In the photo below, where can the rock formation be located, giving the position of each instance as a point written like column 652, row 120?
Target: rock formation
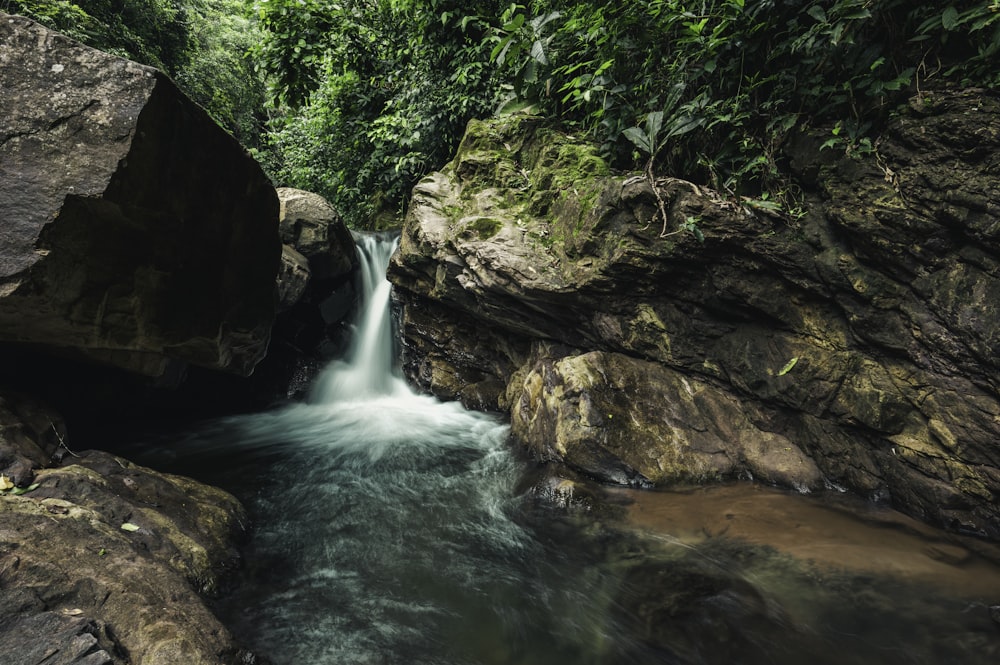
column 102, row 561
column 320, row 244
column 135, row 230
column 310, row 225
column 849, row 349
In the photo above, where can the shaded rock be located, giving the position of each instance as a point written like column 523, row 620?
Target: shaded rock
column 313, row 227
column 136, row 231
column 57, row 639
column 859, row 336
column 101, row 593
column 293, row 278
column 444, row 352
column 30, row 437
column 324, row 247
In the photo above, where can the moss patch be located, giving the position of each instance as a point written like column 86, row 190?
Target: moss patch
column 484, row 228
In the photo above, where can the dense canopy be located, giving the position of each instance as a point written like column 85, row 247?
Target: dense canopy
column 357, row 99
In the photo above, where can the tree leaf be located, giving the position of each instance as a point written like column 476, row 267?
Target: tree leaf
column 538, row 53
column 639, row 138
column 654, row 122
column 515, row 24
column 950, row 18
column 817, row 13
column 516, row 105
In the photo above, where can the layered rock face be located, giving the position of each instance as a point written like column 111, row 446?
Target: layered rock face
column 134, row 230
column 851, row 348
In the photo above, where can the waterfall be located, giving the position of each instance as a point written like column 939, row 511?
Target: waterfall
column 367, row 369
column 384, row 529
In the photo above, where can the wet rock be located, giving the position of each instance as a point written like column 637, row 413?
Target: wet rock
column 995, row 614
column 855, row 341
column 137, row 231
column 105, row 560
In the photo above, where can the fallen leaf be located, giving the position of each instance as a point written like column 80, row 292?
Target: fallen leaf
column 5, row 483
column 128, row 526
column 17, row 491
column 788, row 366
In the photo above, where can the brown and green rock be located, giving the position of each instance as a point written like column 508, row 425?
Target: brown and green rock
column 109, row 562
column 103, row 561
column 851, row 348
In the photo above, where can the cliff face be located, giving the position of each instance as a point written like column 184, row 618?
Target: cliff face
column 852, row 348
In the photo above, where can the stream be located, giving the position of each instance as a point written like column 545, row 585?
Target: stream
column 392, row 528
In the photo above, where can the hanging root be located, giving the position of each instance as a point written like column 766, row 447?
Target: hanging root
column 62, row 442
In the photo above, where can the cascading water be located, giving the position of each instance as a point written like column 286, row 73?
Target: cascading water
column 389, row 529
column 367, row 368
column 383, row 529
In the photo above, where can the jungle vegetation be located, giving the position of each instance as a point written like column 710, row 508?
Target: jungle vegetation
column 357, row 99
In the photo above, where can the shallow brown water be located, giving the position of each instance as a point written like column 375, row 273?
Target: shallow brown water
column 830, row 531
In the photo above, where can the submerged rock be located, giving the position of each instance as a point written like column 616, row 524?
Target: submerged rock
column 136, row 231
column 850, row 348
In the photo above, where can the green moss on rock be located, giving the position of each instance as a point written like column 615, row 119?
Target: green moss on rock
column 484, row 228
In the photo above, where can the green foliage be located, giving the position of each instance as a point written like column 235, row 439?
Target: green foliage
column 366, row 96
column 724, row 82
column 154, row 32
column 370, row 96
column 219, row 73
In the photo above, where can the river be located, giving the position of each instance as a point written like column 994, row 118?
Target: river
column 392, row 528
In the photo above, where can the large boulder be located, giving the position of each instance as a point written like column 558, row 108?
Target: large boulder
column 852, row 348
column 103, row 561
column 312, row 226
column 605, row 414
column 135, row 230
column 319, row 245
